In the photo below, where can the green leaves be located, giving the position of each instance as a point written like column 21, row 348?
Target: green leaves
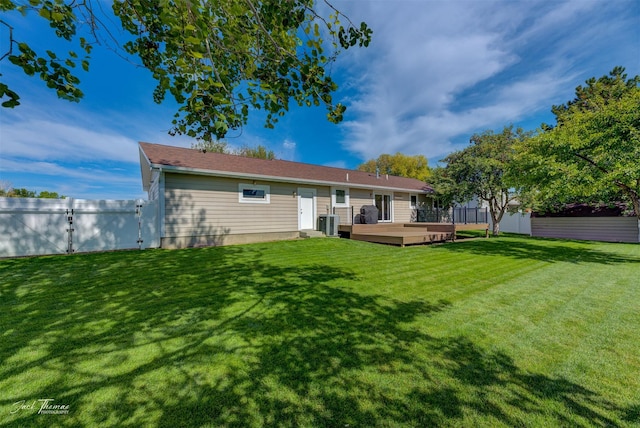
column 219, row 60
column 352, row 36
column 592, row 153
column 486, row 169
column 399, row 164
column 11, row 95
column 53, row 69
column 233, row 57
column 219, row 146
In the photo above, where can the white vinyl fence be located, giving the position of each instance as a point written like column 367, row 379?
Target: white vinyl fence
column 516, row 223
column 30, row 226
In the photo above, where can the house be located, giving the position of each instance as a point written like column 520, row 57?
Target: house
column 219, row 199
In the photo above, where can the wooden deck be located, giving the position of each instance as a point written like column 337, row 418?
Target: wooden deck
column 407, row 233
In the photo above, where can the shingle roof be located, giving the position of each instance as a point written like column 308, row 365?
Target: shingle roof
column 195, row 161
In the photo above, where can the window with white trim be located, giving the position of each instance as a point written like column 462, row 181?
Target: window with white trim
column 340, row 197
column 254, row 193
column 414, row 202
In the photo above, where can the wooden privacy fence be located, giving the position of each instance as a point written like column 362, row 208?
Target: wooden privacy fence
column 30, row 226
column 609, row 229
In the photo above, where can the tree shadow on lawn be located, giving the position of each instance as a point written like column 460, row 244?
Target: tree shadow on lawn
column 547, row 250
column 632, row 414
column 221, row 337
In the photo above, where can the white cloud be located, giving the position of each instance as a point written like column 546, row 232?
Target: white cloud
column 82, row 180
column 436, row 72
column 59, row 146
column 50, row 129
column 287, row 150
column 74, row 172
column 431, row 133
column 46, row 139
column 57, row 130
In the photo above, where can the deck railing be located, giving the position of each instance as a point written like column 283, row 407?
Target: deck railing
column 431, row 215
column 346, row 214
column 452, row 215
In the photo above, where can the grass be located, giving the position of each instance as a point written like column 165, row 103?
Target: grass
column 510, row 331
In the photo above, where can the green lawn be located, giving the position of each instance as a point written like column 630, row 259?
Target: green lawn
column 325, row 332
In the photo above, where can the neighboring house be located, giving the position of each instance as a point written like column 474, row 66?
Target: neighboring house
column 217, row 199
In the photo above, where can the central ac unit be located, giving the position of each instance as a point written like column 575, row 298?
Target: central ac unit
column 328, row 224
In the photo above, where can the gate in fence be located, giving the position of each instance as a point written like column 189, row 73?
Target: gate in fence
column 30, row 226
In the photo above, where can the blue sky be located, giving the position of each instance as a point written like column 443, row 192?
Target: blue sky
column 435, row 73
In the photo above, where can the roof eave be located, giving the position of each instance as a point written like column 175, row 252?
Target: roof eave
column 228, row 174
column 145, row 169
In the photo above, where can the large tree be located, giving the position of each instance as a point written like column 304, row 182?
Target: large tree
column 485, row 169
column 259, row 151
column 8, row 191
column 399, row 164
column 592, row 154
column 219, row 59
column 217, row 146
column 445, row 188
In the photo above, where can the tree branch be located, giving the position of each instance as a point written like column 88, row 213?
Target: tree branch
column 11, row 41
column 635, row 196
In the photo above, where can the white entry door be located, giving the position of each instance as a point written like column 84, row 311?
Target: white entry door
column 306, row 206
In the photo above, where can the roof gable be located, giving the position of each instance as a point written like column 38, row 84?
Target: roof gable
column 194, row 161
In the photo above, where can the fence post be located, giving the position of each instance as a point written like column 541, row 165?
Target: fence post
column 139, row 215
column 70, row 231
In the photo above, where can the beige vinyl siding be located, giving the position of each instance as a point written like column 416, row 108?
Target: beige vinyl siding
column 401, row 207
column 323, row 200
column 357, row 198
column 360, row 197
column 344, row 214
column 200, row 205
column 609, row 229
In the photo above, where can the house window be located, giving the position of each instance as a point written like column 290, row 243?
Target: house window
column 340, row 197
column 383, row 203
column 253, row 193
column 414, row 202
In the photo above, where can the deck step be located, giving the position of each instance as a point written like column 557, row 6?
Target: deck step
column 311, row 234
